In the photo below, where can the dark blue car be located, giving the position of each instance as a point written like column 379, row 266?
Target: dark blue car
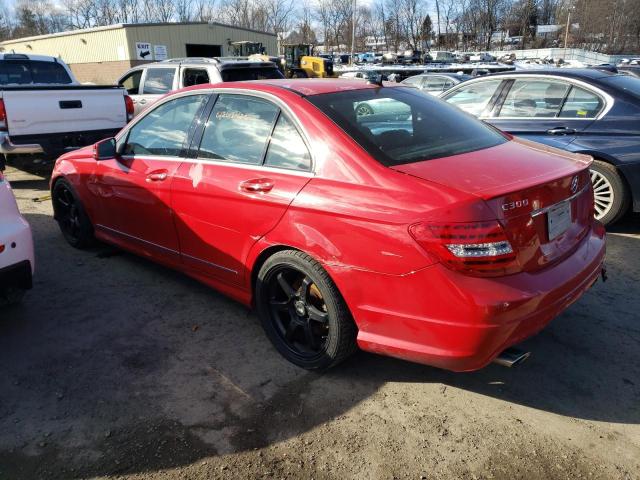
column 587, row 111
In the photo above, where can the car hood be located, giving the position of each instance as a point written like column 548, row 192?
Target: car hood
column 512, row 166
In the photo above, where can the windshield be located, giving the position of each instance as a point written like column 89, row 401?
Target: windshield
column 240, row 74
column 627, row 83
column 398, row 125
column 26, row 72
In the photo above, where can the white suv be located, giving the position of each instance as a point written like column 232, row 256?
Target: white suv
column 16, row 248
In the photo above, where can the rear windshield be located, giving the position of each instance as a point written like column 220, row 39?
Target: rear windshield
column 629, row 84
column 26, row 72
column 399, row 125
column 251, row 73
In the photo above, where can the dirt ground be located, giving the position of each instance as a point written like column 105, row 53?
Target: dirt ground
column 114, row 367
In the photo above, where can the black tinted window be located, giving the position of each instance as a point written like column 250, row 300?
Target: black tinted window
column 238, row 129
column 398, row 125
column 158, row 81
column 164, row 129
column 241, row 74
column 194, row 76
column 24, row 72
column 286, row 148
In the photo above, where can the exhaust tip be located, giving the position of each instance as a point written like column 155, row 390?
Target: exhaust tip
column 511, row 357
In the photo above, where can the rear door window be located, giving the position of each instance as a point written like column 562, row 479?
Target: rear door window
column 473, row 98
column 534, row 98
column 581, row 104
column 286, row 148
column 238, row 129
column 158, row 81
column 194, row 76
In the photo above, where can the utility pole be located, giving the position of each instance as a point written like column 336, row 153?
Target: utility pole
column 353, row 30
column 566, row 33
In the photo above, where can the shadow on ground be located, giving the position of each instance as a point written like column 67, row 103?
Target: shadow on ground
column 117, row 365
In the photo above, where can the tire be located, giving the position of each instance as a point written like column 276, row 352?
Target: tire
column 71, row 215
column 11, row 296
column 364, row 109
column 610, row 192
column 302, row 311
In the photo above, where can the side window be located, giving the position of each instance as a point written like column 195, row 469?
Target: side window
column 448, row 84
column 158, row 81
column 435, row 84
column 581, row 104
column 534, row 99
column 131, row 82
column 238, row 129
column 415, row 80
column 194, row 76
column 164, row 129
column 473, row 98
column 287, row 149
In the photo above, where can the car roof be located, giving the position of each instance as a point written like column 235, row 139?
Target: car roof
column 577, row 73
column 315, row 86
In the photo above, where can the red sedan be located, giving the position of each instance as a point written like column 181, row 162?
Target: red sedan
column 407, row 228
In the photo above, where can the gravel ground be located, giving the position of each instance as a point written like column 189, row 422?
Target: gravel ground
column 114, row 367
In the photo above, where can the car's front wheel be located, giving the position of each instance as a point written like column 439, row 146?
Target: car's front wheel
column 71, row 215
column 610, row 194
column 302, row 311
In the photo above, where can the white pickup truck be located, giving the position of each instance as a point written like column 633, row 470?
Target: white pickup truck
column 45, row 112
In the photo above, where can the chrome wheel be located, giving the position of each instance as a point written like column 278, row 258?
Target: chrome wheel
column 603, row 194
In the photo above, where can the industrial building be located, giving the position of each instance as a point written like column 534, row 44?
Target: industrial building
column 102, row 54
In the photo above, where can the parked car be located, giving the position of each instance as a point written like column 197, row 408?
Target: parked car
column 147, row 83
column 436, row 83
column 16, row 248
column 279, row 195
column 44, row 111
column 442, row 56
column 588, row 111
column 481, row 57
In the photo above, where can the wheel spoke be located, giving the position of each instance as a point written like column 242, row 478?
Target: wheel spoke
column 312, row 341
column 291, row 330
column 280, row 305
column 288, row 290
column 317, row 315
column 304, row 289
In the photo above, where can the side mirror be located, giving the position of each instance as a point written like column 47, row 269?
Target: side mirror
column 105, row 149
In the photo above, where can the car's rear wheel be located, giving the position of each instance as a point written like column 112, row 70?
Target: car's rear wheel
column 71, row 215
column 302, row 311
column 609, row 192
column 364, row 109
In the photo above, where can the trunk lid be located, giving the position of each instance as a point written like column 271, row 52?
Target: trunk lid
column 541, row 196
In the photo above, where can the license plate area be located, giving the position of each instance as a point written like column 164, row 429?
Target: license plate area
column 558, row 219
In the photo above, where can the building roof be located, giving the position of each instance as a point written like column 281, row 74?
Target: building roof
column 116, row 26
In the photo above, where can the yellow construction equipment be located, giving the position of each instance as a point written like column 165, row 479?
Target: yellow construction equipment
column 299, row 62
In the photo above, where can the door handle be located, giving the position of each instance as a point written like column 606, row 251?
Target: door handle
column 254, row 185
column 143, row 101
column 561, row 131
column 157, row 176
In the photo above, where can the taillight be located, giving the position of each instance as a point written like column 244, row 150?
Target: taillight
column 3, row 116
column 481, row 248
column 128, row 105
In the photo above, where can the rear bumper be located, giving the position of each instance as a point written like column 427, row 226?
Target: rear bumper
column 442, row 318
column 51, row 144
column 17, row 257
column 7, row 147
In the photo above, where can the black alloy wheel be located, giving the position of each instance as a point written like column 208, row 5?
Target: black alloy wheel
column 302, row 311
column 70, row 215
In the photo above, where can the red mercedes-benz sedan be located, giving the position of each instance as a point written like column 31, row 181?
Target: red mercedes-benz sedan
column 407, row 228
